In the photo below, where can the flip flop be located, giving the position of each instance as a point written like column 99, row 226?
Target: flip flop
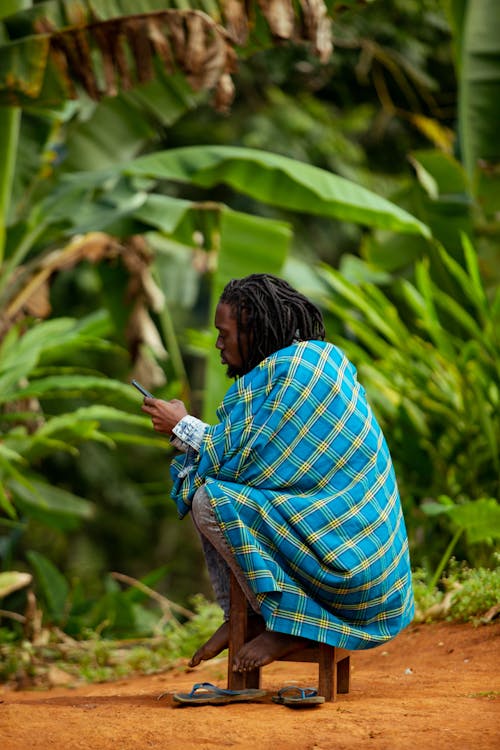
column 206, row 694
column 297, row 697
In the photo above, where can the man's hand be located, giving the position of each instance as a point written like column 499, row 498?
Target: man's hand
column 164, row 414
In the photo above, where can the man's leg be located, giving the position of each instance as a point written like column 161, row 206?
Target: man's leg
column 219, row 559
column 265, row 646
column 218, row 573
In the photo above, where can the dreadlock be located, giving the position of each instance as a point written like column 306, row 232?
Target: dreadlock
column 273, row 315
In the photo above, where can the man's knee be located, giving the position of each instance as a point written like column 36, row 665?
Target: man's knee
column 201, row 509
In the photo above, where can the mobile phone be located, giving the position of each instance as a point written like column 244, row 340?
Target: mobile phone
column 141, row 388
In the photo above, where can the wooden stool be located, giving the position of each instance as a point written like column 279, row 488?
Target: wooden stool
column 333, row 663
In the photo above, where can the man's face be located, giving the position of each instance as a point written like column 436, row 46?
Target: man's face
column 227, row 340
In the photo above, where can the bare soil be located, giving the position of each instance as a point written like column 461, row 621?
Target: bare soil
column 434, row 686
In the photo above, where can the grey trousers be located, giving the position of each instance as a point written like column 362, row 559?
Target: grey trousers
column 218, row 555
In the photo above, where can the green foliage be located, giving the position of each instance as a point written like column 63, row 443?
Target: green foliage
column 52, row 585
column 279, row 181
column 464, row 594
column 33, row 426
column 478, row 520
column 184, row 641
column 430, row 362
column 94, row 658
column 478, row 593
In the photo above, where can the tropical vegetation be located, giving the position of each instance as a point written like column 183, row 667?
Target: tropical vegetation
column 150, row 152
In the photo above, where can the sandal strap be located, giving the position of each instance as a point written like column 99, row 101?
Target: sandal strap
column 302, row 692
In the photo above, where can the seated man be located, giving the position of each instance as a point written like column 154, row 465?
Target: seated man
column 294, row 488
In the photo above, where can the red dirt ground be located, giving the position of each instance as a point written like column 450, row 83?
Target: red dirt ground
column 435, row 686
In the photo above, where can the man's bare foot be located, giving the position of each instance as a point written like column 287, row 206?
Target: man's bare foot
column 215, row 644
column 265, row 648
column 220, row 640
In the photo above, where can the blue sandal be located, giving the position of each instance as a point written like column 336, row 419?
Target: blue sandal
column 297, row 697
column 206, row 694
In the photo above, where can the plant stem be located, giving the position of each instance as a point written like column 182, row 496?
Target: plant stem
column 444, row 559
column 19, row 254
column 173, row 348
column 9, row 134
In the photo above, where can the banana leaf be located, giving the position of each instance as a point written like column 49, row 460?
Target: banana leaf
column 64, row 386
column 51, row 505
column 278, row 181
column 480, row 519
column 480, row 84
column 103, row 46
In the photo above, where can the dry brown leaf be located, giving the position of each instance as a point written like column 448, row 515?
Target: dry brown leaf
column 57, row 55
column 318, row 28
column 224, row 93
column 146, row 370
column 137, row 34
column 491, row 614
column 188, row 40
column 236, row 20
column 160, row 43
column 177, row 36
column 78, row 52
column 196, row 44
column 38, row 304
column 142, row 330
column 106, row 48
column 280, row 16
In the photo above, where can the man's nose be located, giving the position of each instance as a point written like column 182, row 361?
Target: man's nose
column 218, row 343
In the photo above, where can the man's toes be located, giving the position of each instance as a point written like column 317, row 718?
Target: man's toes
column 239, row 664
column 195, row 660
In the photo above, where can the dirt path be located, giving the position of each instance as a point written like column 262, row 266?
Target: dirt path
column 434, row 686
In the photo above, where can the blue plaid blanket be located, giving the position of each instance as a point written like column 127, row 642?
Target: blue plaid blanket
column 302, row 486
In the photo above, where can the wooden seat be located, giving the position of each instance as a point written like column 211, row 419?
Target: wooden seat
column 334, row 666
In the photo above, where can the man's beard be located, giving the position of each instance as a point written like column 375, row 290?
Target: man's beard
column 233, row 372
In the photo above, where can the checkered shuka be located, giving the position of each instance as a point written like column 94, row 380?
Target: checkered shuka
column 302, row 485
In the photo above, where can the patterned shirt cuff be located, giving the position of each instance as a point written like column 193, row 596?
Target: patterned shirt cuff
column 188, row 433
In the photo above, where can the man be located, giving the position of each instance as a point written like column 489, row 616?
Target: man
column 293, row 489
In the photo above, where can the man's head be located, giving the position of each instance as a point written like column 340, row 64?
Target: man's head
column 258, row 315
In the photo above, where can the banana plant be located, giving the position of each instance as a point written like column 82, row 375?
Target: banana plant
column 130, row 70
column 457, row 189
column 37, row 380
column 431, row 366
column 57, row 46
column 132, row 198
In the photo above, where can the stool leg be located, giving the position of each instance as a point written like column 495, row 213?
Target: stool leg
column 344, row 675
column 327, row 682
column 238, row 622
